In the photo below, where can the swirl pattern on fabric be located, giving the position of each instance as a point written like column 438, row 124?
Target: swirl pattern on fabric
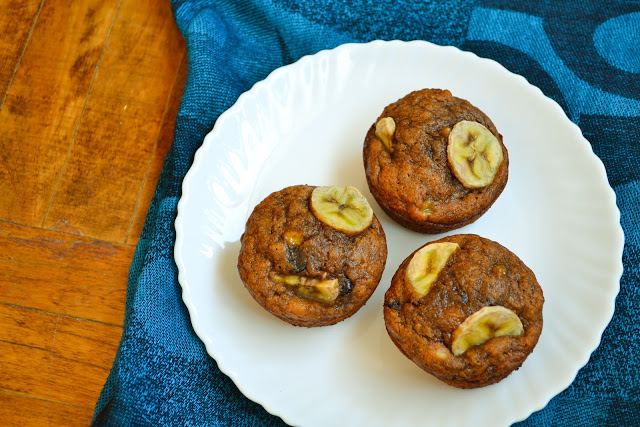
column 582, row 54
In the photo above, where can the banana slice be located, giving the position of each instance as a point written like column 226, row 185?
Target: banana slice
column 308, row 287
column 293, row 238
column 424, row 267
column 484, row 324
column 474, row 154
column 385, row 128
column 342, row 208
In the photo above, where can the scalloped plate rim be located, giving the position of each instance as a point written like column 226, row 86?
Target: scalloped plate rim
column 246, row 97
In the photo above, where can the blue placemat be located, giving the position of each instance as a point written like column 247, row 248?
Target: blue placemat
column 583, row 54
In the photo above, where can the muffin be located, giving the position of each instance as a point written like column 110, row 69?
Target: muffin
column 465, row 309
column 312, row 256
column 434, row 162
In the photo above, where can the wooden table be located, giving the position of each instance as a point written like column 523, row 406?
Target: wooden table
column 89, row 91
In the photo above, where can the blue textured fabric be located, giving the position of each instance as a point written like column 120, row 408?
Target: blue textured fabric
column 583, row 54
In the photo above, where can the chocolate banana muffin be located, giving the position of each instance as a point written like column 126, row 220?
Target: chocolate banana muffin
column 312, row 256
column 464, row 309
column 434, row 162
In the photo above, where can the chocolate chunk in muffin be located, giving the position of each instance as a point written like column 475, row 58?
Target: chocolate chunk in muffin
column 434, row 162
column 464, row 309
column 312, row 256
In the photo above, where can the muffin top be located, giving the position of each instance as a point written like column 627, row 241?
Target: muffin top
column 310, row 271
column 423, row 180
column 449, row 322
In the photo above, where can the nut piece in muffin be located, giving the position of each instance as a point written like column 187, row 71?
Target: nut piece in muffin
column 312, row 256
column 434, row 162
column 465, row 309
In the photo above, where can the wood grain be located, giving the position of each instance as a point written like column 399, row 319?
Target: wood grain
column 87, row 342
column 39, row 373
column 89, row 92
column 63, row 273
column 16, row 20
column 44, row 103
column 27, row 327
column 37, row 346
column 165, row 138
column 25, row 411
column 98, row 194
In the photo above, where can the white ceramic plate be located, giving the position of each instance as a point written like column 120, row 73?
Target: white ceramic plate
column 305, row 124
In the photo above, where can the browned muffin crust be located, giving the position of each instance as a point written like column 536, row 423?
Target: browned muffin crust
column 481, row 273
column 413, row 183
column 323, row 252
